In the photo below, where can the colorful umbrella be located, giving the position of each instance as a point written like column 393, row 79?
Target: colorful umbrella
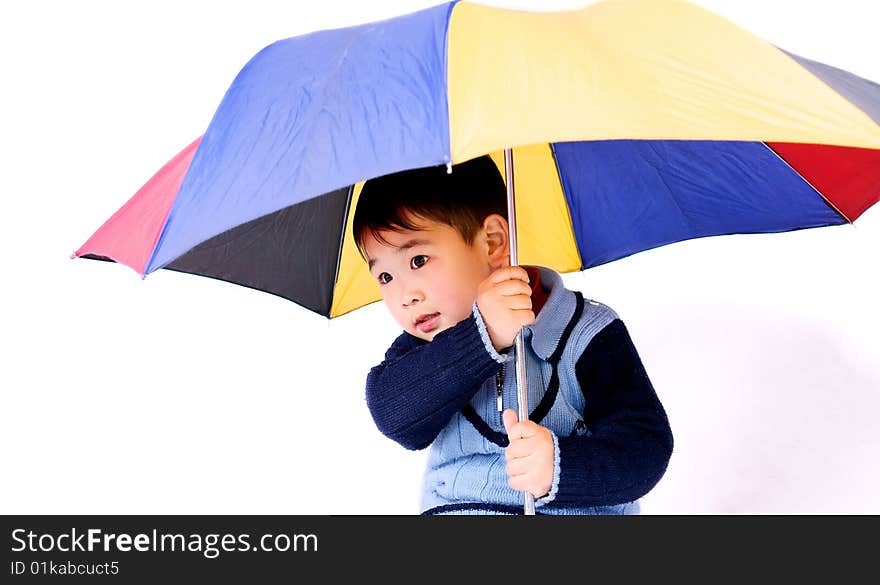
column 633, row 124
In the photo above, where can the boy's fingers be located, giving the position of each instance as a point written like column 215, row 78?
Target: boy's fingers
column 509, row 273
column 517, row 467
column 517, row 431
column 522, row 448
column 513, row 287
column 509, row 418
column 516, row 302
column 521, row 430
column 517, row 450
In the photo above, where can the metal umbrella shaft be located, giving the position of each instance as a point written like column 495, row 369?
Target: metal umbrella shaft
column 522, row 398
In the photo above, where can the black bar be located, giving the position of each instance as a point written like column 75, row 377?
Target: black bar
column 150, row 549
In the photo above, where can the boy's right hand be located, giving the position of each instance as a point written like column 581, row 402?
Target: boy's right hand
column 505, row 302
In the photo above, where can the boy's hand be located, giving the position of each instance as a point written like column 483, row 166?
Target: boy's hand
column 505, row 302
column 529, row 456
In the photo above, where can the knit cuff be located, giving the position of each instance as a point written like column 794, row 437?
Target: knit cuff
column 574, row 462
column 554, row 487
column 465, row 348
column 487, row 342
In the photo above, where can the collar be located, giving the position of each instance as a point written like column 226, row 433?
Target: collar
column 544, row 334
column 539, row 295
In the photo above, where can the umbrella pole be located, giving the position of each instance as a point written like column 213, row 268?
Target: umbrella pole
column 522, row 398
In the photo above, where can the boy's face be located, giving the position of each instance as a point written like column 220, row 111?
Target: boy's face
column 429, row 277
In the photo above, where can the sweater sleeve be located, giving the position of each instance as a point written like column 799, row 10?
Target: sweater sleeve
column 420, row 385
column 628, row 442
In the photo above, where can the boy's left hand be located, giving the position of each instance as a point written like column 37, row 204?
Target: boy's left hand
column 529, row 455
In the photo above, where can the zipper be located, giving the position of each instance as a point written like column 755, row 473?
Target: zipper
column 499, row 385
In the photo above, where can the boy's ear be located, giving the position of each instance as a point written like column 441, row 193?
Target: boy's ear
column 495, row 231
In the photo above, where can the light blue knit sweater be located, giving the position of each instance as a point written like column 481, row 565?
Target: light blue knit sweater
column 608, row 455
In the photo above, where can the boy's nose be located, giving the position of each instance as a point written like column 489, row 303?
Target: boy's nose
column 412, row 297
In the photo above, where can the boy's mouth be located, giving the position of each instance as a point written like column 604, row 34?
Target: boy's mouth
column 426, row 323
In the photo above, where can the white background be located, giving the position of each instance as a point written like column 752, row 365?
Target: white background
column 185, row 395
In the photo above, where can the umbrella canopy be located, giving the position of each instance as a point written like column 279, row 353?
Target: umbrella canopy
column 634, row 124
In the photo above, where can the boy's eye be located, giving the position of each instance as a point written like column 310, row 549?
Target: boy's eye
column 418, row 261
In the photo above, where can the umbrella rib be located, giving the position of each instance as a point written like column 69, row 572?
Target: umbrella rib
column 565, row 197
column 813, row 187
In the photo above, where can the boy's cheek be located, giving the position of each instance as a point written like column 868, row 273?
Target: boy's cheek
column 404, row 322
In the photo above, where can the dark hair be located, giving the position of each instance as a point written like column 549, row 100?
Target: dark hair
column 461, row 199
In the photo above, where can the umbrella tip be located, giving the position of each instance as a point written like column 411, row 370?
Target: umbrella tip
column 449, row 168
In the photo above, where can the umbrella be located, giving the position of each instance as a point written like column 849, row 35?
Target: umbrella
column 633, row 125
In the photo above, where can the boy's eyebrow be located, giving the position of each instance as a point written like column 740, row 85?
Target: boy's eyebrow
column 404, row 247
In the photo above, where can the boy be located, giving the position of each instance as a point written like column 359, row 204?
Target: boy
column 597, row 438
